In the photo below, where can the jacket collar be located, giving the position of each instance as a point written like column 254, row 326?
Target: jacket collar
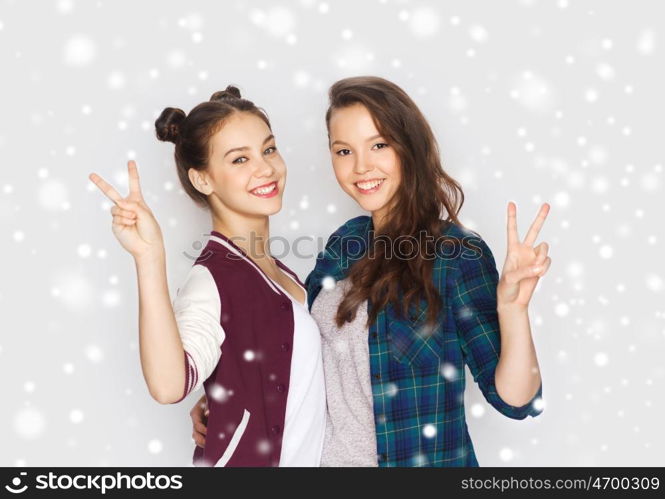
column 221, row 239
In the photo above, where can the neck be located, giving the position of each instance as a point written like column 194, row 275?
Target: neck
column 378, row 217
column 250, row 234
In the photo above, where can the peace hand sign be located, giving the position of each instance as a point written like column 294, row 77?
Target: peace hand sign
column 134, row 225
column 524, row 264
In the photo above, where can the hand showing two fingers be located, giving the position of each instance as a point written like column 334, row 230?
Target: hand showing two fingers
column 525, row 264
column 133, row 224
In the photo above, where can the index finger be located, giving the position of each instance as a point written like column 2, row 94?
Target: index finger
column 105, row 187
column 512, row 224
column 537, row 225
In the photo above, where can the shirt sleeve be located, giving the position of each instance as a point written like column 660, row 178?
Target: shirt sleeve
column 197, row 310
column 474, row 305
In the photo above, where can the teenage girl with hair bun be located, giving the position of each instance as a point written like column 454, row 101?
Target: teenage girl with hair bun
column 239, row 325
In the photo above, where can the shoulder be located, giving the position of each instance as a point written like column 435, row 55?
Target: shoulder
column 354, row 226
column 347, row 238
column 463, row 251
column 333, row 261
column 197, row 276
column 468, row 243
column 198, row 286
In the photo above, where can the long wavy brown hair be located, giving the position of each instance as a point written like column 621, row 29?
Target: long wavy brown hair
column 424, row 194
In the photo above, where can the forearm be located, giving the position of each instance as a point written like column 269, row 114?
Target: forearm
column 161, row 350
column 517, row 376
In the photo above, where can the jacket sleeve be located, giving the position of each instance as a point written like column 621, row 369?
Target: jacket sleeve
column 474, row 306
column 197, row 312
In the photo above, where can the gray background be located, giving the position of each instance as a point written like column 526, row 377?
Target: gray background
column 532, row 101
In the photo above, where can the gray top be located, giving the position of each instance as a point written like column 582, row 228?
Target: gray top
column 350, row 438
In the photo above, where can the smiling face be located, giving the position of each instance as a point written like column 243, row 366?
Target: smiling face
column 246, row 173
column 366, row 166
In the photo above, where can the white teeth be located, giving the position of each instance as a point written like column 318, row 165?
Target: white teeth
column 265, row 190
column 369, row 185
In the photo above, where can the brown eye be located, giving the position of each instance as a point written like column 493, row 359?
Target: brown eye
column 238, row 161
column 270, row 150
column 343, row 152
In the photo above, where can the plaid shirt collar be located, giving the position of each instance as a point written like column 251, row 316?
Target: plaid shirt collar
column 345, row 246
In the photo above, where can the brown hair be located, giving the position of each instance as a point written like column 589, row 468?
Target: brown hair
column 417, row 205
column 191, row 133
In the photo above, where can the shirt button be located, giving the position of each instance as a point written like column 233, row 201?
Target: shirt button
column 285, row 347
column 281, row 388
column 275, row 430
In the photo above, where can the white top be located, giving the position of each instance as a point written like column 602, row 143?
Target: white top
column 305, row 422
column 197, row 309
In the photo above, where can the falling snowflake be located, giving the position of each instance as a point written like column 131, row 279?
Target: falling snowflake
column 29, row 423
column 506, row 454
column 601, row 359
column 79, row 50
column 654, row 283
column 449, row 371
column 429, row 431
column 561, row 309
column 116, row 80
column 477, row 410
column 646, row 42
column 424, row 22
column 76, row 416
column 94, row 354
column 155, row 446
column 219, row 393
column 328, row 283
column 478, row 34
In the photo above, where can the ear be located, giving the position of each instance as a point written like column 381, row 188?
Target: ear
column 200, row 181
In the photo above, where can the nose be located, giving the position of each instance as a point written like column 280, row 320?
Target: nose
column 361, row 165
column 264, row 169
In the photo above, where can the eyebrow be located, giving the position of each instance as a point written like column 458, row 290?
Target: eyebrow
column 244, row 148
column 368, row 140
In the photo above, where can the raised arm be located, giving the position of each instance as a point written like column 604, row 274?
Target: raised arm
column 162, row 354
column 474, row 304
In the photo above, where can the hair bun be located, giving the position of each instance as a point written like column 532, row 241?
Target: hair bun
column 231, row 92
column 167, row 126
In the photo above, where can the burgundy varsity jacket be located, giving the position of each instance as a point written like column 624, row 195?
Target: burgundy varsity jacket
column 247, row 390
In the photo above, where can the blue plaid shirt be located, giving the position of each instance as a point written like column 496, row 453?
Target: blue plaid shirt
column 418, row 379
